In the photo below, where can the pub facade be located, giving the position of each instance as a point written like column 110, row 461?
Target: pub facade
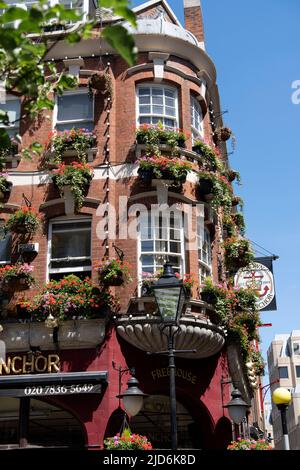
column 68, row 327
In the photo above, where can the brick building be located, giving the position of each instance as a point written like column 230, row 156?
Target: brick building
column 173, row 82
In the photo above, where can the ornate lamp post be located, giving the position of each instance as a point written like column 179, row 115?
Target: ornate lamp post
column 282, row 398
column 237, row 408
column 169, row 294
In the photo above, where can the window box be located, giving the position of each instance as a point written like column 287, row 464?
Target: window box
column 173, row 169
column 205, row 187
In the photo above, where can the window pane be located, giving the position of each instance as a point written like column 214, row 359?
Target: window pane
column 170, row 102
column 158, row 100
column 170, row 111
column 144, row 91
column 175, row 247
column 145, row 120
column 5, row 246
column 147, row 246
column 12, row 107
column 144, row 99
column 157, row 91
column 170, row 93
column 158, row 110
column 145, row 109
column 147, row 260
column 71, row 243
column 161, row 246
column 296, row 349
column 169, row 123
column 283, row 372
column 298, row 372
column 72, row 107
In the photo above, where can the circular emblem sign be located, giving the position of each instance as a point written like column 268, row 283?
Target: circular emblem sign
column 258, row 277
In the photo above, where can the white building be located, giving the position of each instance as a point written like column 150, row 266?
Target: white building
column 284, row 371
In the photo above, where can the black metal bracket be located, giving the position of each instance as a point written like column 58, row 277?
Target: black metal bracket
column 119, row 252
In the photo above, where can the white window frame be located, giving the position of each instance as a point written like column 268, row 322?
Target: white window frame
column 65, row 220
column 196, row 133
column 207, row 267
column 6, row 261
column 180, row 255
column 79, row 91
column 164, row 116
column 16, row 126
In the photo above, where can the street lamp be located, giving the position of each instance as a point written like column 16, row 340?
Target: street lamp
column 169, row 294
column 133, row 397
column 237, row 408
column 282, row 398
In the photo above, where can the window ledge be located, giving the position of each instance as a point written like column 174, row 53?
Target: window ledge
column 189, row 154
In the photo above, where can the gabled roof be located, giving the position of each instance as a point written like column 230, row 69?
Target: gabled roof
column 152, row 3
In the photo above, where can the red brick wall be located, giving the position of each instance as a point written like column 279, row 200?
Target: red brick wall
column 194, row 21
column 122, row 150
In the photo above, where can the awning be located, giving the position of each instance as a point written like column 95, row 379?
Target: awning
column 61, row 383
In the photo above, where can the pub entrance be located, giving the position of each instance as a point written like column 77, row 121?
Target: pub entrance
column 154, row 422
column 28, row 422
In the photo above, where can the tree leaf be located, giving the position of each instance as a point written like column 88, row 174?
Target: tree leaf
column 122, row 41
column 127, row 14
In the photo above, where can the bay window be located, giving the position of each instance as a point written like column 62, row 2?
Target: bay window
column 157, row 103
column 196, row 119
column 69, row 249
column 74, row 110
column 161, row 240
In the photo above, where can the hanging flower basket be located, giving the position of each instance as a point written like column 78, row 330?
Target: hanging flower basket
column 146, row 175
column 16, row 277
column 24, row 220
column 114, row 272
column 127, row 441
column 205, row 187
column 101, row 81
column 77, row 177
column 222, row 134
column 237, row 253
column 5, row 188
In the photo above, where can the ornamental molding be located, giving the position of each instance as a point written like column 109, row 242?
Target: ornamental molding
column 72, row 334
column 195, row 333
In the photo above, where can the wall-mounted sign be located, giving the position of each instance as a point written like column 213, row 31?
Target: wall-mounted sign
column 259, row 276
column 180, row 373
column 25, row 365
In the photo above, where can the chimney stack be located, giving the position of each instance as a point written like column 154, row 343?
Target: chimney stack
column 193, row 18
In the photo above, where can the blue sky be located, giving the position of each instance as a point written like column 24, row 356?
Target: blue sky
column 255, row 46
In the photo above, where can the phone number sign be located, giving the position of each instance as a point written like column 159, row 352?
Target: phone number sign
column 50, row 390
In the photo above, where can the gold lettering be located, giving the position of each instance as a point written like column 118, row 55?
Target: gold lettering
column 153, row 373
column 179, row 373
column 5, row 366
column 45, row 363
column 28, row 363
column 13, row 365
column 158, row 373
column 194, row 379
column 164, row 372
column 53, row 363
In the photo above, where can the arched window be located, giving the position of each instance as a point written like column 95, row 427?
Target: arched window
column 161, row 240
column 196, row 119
column 157, row 103
column 204, row 255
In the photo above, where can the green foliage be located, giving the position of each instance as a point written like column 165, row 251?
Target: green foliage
column 71, row 297
column 221, row 190
column 127, row 441
column 78, row 176
column 16, row 272
column 112, row 269
column 237, row 253
column 154, row 136
column 24, row 220
column 173, row 169
column 22, row 57
column 250, row 444
column 211, row 158
column 78, row 139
